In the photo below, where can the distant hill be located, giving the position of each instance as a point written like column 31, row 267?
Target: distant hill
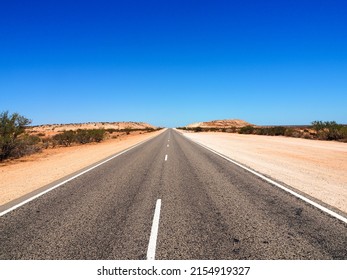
column 91, row 125
column 220, row 124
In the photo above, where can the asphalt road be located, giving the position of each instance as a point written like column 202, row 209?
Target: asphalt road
column 210, row 209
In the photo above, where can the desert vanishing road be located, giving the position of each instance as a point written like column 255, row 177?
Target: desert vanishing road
column 169, row 198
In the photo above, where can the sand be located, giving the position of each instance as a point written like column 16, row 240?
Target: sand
column 317, row 168
column 20, row 177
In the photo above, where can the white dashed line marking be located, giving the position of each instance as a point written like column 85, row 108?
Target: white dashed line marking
column 154, row 232
column 165, row 157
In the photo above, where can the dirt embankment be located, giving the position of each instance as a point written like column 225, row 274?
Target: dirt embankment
column 21, row 176
column 317, row 168
column 220, row 124
column 91, row 125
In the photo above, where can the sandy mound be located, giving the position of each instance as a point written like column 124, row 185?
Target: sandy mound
column 51, row 129
column 220, row 124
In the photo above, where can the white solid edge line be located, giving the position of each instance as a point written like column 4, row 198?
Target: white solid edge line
column 154, row 232
column 70, row 179
column 315, row 204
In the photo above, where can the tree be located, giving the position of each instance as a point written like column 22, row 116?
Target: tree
column 11, row 127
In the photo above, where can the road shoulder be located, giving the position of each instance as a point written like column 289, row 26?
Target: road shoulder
column 30, row 174
column 316, row 168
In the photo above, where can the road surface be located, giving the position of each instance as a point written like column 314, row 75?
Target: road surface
column 170, row 198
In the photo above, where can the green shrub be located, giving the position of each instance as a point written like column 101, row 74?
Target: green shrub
column 65, row 139
column 81, row 136
column 318, row 125
column 329, row 130
column 11, row 128
column 97, row 135
column 26, row 145
column 275, row 131
column 343, row 132
column 246, row 129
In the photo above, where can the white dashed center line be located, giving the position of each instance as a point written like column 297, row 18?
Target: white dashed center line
column 165, row 157
column 154, row 232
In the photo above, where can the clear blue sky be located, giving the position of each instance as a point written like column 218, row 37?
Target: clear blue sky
column 171, row 63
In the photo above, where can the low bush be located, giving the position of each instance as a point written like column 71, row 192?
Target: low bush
column 128, row 130
column 12, row 129
column 272, row 131
column 97, row 135
column 247, row 130
column 329, row 130
column 65, row 139
column 26, row 145
column 81, row 136
column 16, row 140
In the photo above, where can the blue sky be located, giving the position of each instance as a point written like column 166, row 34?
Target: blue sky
column 171, row 63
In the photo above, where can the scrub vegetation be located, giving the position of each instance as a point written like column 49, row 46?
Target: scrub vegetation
column 14, row 141
column 321, row 130
column 18, row 139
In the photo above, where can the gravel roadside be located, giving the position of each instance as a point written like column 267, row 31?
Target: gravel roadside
column 317, row 168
